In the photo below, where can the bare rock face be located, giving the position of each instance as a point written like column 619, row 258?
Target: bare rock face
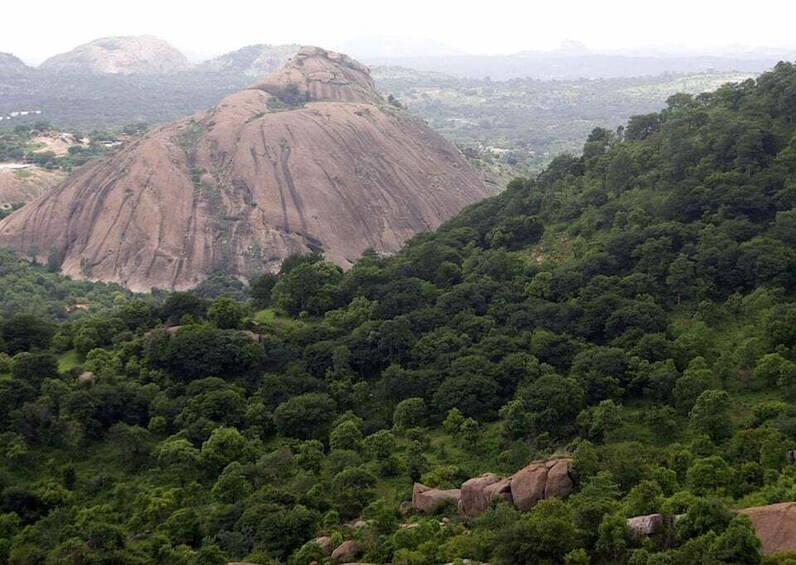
column 325, row 543
column 559, row 484
column 775, row 525
column 346, row 552
column 478, row 493
column 538, row 481
column 86, row 378
column 500, row 490
column 528, row 485
column 310, row 158
column 645, row 525
column 143, row 54
column 24, row 185
column 316, row 74
column 426, row 499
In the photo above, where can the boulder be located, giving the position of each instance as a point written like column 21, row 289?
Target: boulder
column 645, row 525
column 426, row 499
column 559, row 484
column 528, row 486
column 346, row 552
column 478, row 493
column 500, row 489
column 85, row 378
column 325, row 543
column 775, row 525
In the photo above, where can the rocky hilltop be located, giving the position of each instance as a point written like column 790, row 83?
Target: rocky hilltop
column 309, row 158
column 10, row 64
column 133, row 55
column 252, row 60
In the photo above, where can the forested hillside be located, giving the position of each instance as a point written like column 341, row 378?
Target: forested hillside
column 632, row 308
column 525, row 122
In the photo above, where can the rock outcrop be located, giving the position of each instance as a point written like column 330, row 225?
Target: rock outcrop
column 325, row 543
column 426, row 499
column 19, row 186
column 559, row 484
column 646, row 525
column 538, row 481
column 528, row 486
column 145, row 54
column 524, row 488
column 86, row 378
column 316, row 75
column 346, row 552
column 309, row 158
column 775, row 525
column 478, row 493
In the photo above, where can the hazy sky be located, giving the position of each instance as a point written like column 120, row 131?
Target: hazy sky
column 36, row 30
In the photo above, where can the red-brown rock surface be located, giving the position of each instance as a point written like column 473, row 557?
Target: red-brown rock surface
column 320, row 75
column 346, row 552
column 775, row 525
column 538, row 481
column 325, row 543
column 527, row 486
column 478, row 493
column 21, row 186
column 559, row 484
column 426, row 499
column 245, row 184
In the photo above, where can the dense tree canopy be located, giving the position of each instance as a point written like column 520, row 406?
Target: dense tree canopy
column 632, row 307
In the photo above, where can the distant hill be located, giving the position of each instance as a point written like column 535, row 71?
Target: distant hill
column 252, row 60
column 529, row 121
column 310, row 158
column 569, row 64
column 9, row 64
column 133, row 55
column 367, row 47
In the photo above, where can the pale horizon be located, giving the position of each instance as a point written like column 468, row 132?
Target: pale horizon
column 617, row 25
